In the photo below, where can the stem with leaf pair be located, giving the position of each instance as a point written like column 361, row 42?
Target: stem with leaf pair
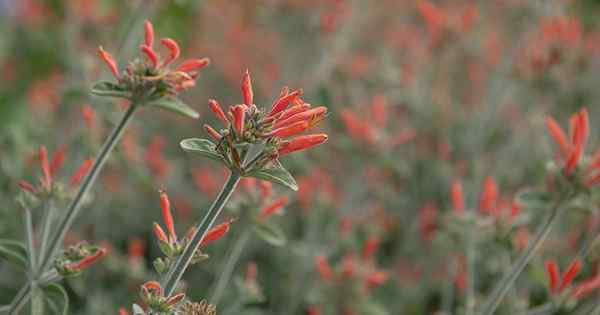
column 510, row 277
column 50, row 250
column 175, row 273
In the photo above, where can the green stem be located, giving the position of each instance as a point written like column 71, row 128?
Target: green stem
column 510, row 277
column 37, row 301
column 45, row 233
column 29, row 241
column 233, row 257
column 470, row 253
column 172, row 278
column 75, row 205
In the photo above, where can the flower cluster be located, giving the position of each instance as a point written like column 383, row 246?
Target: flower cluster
column 50, row 168
column 561, row 287
column 76, row 258
column 359, row 273
column 278, row 128
column 572, row 149
column 172, row 246
column 151, row 78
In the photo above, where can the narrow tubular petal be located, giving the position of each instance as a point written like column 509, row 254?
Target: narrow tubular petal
column 558, row 135
column 165, row 206
column 570, row 274
column 149, row 33
column 247, row 89
column 110, row 61
column 173, row 48
column 553, row 274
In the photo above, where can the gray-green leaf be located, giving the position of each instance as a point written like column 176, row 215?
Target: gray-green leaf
column 203, row 147
column 270, row 233
column 106, row 88
column 276, row 174
column 14, row 252
column 57, row 290
column 532, row 199
column 175, row 105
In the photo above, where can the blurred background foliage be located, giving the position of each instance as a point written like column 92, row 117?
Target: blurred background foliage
column 419, row 93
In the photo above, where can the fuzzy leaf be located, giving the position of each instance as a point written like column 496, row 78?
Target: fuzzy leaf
column 532, row 199
column 276, row 174
column 270, row 233
column 138, row 310
column 57, row 290
column 106, row 88
column 175, row 105
column 201, row 146
column 13, row 252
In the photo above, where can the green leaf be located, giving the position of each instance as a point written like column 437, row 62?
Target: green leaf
column 13, row 252
column 201, row 146
column 138, row 310
column 175, row 105
column 270, row 233
column 106, row 88
column 532, row 199
column 58, row 291
column 276, row 174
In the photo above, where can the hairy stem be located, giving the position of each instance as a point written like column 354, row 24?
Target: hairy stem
column 172, row 278
column 510, row 277
column 227, row 271
column 47, row 219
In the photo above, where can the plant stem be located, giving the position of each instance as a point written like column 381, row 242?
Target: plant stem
column 29, row 241
column 227, row 271
column 75, row 205
column 37, row 300
column 47, row 219
column 470, row 253
column 172, row 278
column 510, row 277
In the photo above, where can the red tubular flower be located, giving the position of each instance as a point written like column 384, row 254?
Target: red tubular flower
column 348, row 266
column 572, row 149
column 216, row 233
column 376, row 278
column 370, row 247
column 558, row 135
column 324, row 268
column 311, row 116
column 247, row 89
column 266, row 188
column 173, row 48
column 47, row 179
column 193, row 65
column 251, row 272
column 213, row 133
column 273, row 207
column 293, row 111
column 290, row 130
column 586, row 287
column 123, row 311
column 301, row 143
column 88, row 261
column 89, row 116
column 149, row 52
column 553, row 274
column 110, row 61
column 58, row 159
column 458, row 200
column 175, row 299
column 216, row 108
column 165, row 206
column 81, row 172
column 238, row 112
column 570, row 274
column 27, row 186
column 284, row 101
column 149, row 34
column 160, row 233
column 489, row 196
column 153, row 286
